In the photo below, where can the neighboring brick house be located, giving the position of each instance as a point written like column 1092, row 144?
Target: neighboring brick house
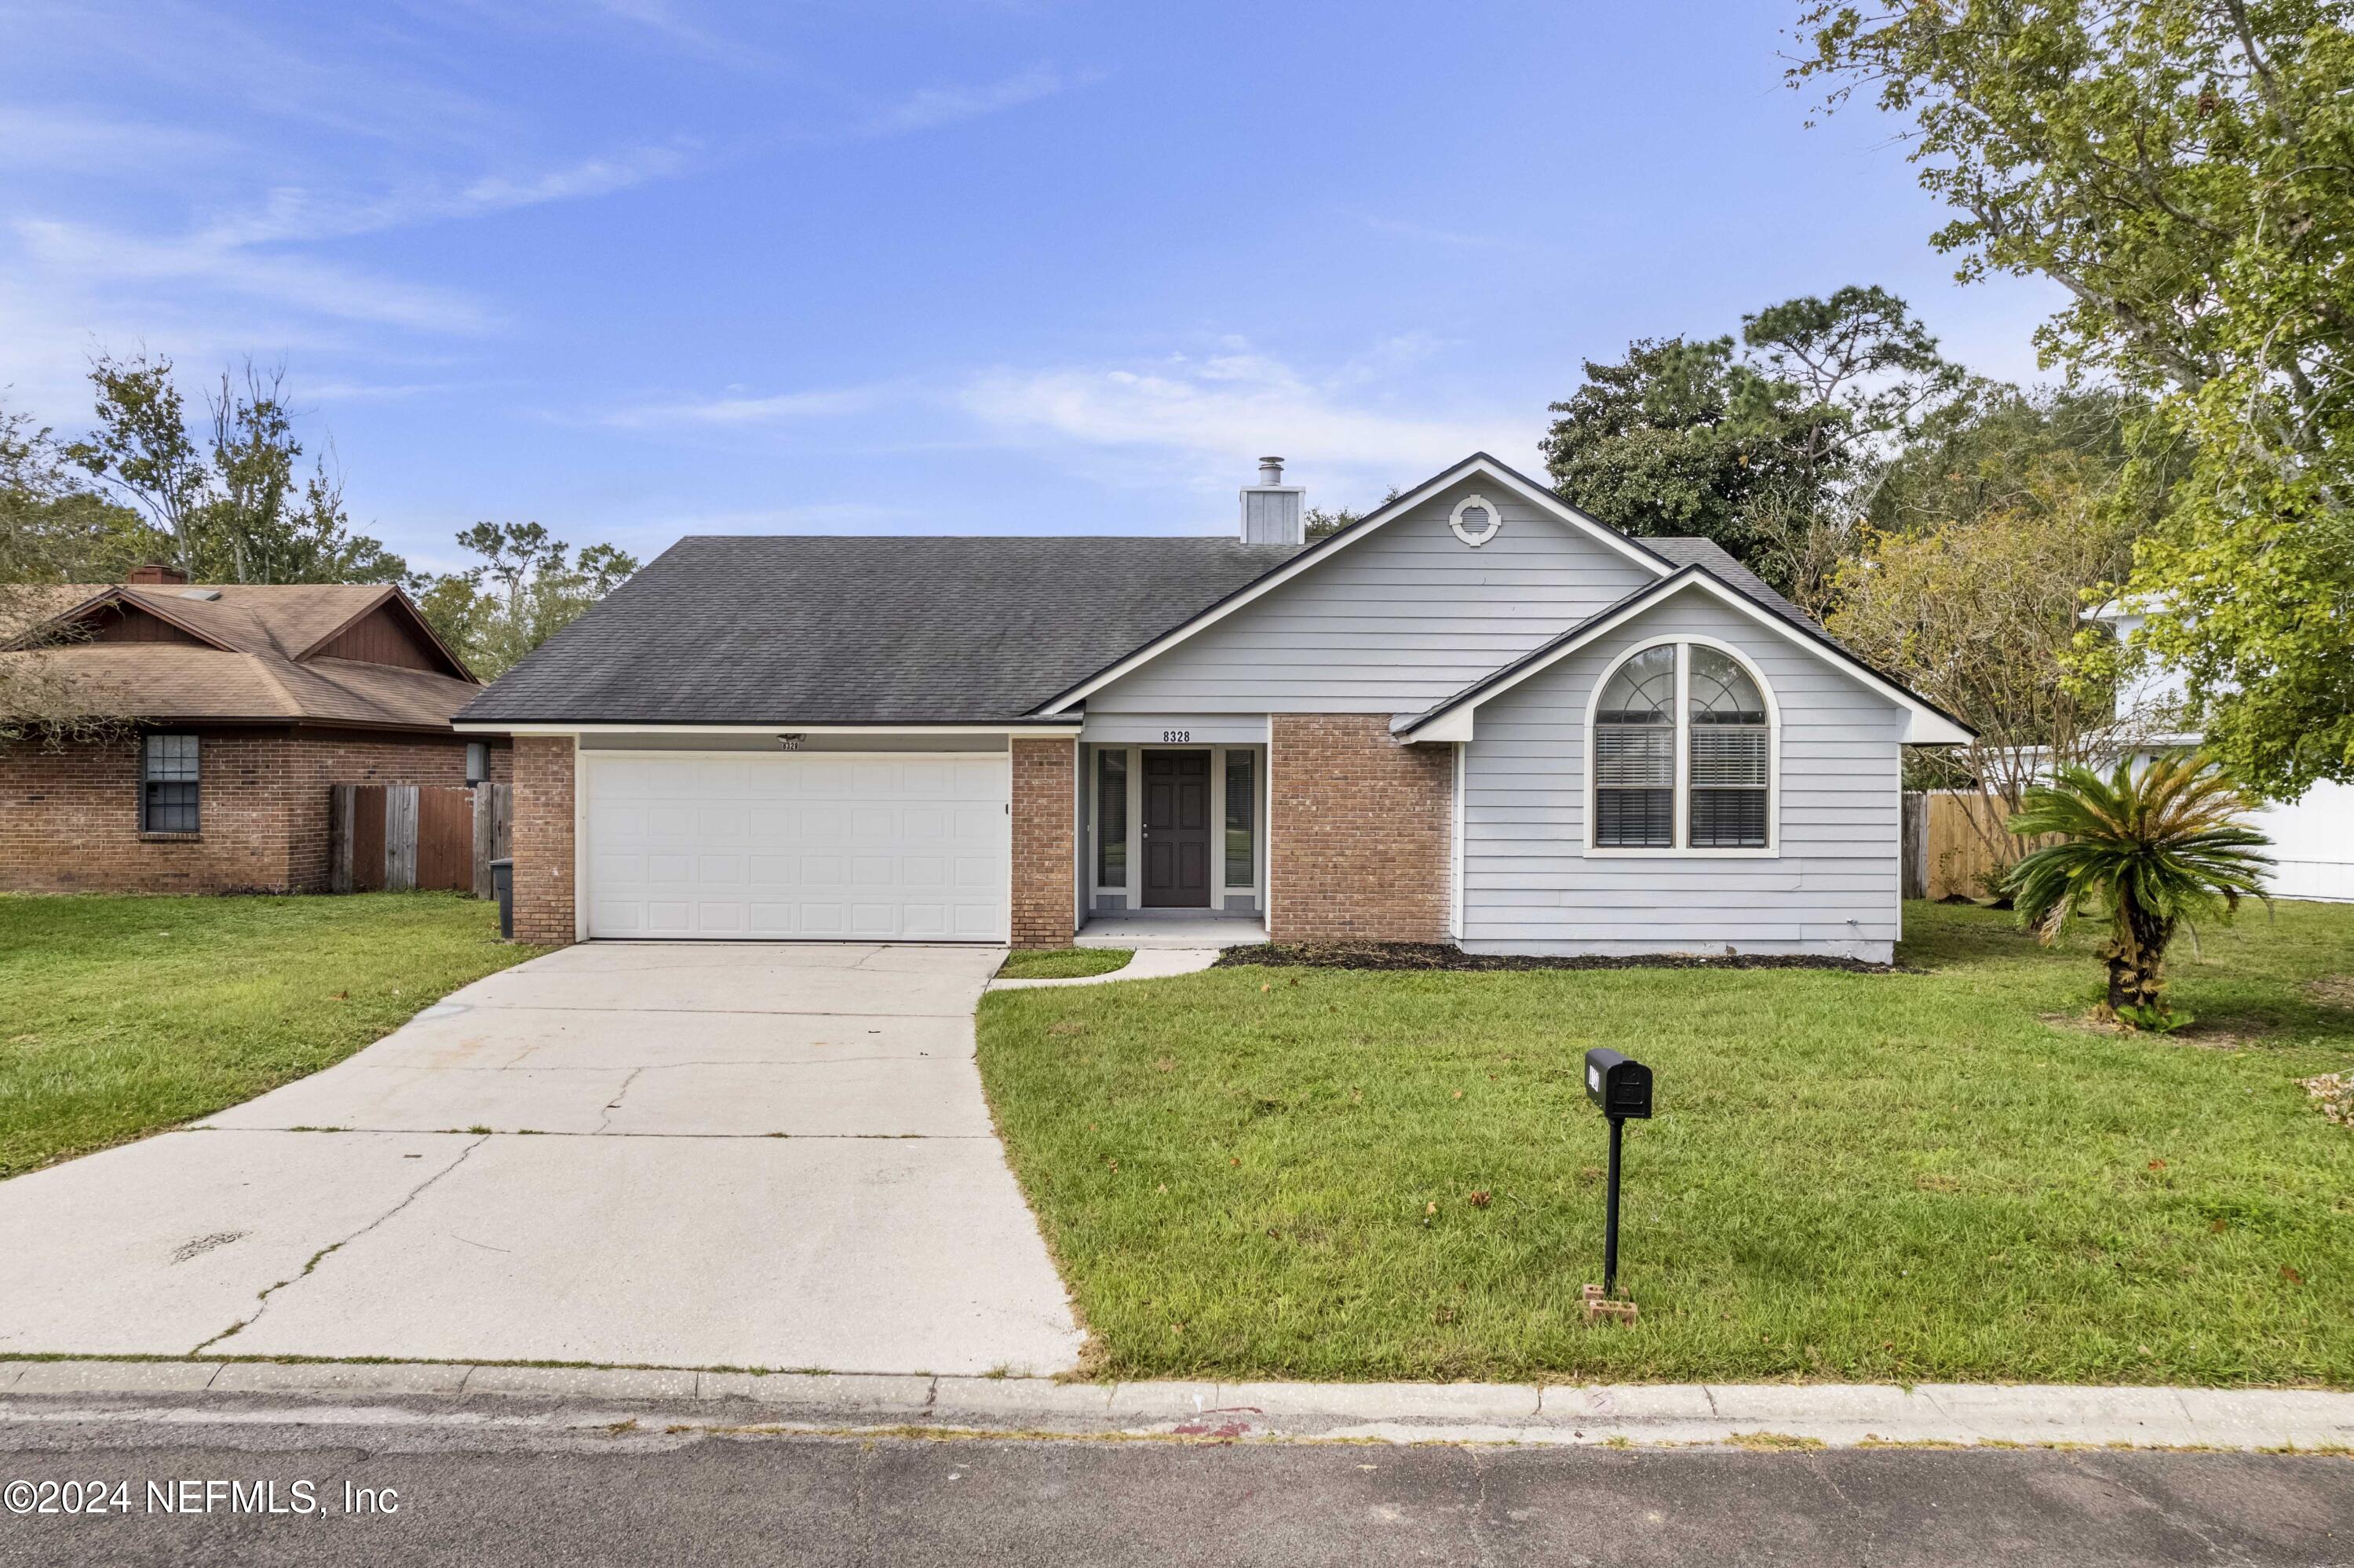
column 239, row 705
column 1383, row 736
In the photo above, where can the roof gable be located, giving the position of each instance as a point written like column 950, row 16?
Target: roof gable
column 1452, row 720
column 245, row 652
column 389, row 631
column 1479, row 466
column 116, row 614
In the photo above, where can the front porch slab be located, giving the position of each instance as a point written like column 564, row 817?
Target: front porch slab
column 1175, row 930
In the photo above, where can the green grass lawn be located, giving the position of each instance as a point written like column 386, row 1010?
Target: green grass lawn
column 1063, row 963
column 1910, row 1176
column 125, row 1015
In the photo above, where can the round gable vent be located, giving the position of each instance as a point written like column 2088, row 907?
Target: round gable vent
column 1475, row 520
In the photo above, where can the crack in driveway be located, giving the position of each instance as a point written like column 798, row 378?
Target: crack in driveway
column 322, row 1254
column 619, row 1096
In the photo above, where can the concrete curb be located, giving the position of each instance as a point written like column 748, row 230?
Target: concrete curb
column 1149, row 963
column 1769, row 1414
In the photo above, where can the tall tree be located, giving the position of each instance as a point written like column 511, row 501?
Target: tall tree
column 53, row 527
column 527, row 587
column 52, row 530
column 1677, row 437
column 1998, row 449
column 1863, row 379
column 2184, row 170
column 233, row 504
column 1772, row 450
column 1976, row 613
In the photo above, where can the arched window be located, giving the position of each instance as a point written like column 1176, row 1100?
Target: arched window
column 1683, row 753
column 1635, row 754
column 1730, row 747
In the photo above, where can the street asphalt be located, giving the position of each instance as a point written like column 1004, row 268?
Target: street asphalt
column 442, row 1493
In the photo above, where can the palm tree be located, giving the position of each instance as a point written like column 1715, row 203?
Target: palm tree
column 2158, row 846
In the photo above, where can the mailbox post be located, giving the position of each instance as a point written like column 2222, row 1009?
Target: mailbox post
column 1621, row 1087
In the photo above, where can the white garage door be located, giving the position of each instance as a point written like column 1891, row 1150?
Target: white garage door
column 913, row 847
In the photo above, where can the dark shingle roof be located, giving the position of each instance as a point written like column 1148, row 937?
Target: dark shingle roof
column 818, row 630
column 1711, row 558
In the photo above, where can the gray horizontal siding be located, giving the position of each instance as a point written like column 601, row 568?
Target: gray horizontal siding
column 1393, row 623
column 1529, row 886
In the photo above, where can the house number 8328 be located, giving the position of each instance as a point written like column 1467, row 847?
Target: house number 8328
column 1176, row 736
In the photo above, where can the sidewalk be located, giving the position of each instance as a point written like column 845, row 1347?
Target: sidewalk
column 1639, row 1414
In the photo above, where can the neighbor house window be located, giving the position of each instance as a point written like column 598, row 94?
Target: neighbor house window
column 167, row 784
column 1111, row 819
column 1683, row 750
column 478, row 761
column 1242, row 859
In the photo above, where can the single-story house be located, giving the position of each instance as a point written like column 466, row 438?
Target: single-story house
column 239, row 704
column 1476, row 716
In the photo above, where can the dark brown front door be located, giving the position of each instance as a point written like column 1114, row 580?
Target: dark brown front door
column 1177, row 830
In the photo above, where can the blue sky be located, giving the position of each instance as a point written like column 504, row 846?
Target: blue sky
column 641, row 268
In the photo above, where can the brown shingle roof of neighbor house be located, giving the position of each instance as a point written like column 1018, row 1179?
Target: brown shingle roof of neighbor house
column 252, row 654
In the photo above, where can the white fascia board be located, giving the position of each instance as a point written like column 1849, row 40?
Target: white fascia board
column 1050, row 731
column 1482, row 465
column 1924, row 725
column 1453, row 724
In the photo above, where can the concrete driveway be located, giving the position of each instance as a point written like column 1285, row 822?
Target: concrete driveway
column 760, row 1155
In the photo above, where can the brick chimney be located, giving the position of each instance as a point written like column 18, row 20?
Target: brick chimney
column 155, row 573
column 1274, row 512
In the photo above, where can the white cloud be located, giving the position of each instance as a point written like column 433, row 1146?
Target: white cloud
column 360, row 90
column 210, row 263
column 293, row 213
column 934, row 107
column 1222, row 411
column 369, row 391
column 742, row 412
column 245, row 277
column 589, row 177
column 60, row 138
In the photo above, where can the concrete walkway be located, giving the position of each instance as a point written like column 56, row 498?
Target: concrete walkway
column 766, row 1155
column 1586, row 1414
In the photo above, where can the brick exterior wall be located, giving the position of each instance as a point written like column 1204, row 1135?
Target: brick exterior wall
column 541, row 840
column 1045, row 843
column 1361, row 832
column 69, row 817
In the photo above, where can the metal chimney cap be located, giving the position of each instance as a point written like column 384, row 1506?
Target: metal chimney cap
column 1271, row 470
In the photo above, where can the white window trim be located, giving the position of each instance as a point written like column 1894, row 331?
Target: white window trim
column 146, row 754
column 1682, row 642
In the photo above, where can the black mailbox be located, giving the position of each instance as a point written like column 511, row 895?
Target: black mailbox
column 1619, row 1084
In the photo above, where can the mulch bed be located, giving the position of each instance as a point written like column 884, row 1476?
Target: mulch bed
column 1443, row 955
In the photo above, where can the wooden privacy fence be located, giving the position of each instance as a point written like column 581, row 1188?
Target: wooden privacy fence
column 1950, row 838
column 493, row 831
column 396, row 837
